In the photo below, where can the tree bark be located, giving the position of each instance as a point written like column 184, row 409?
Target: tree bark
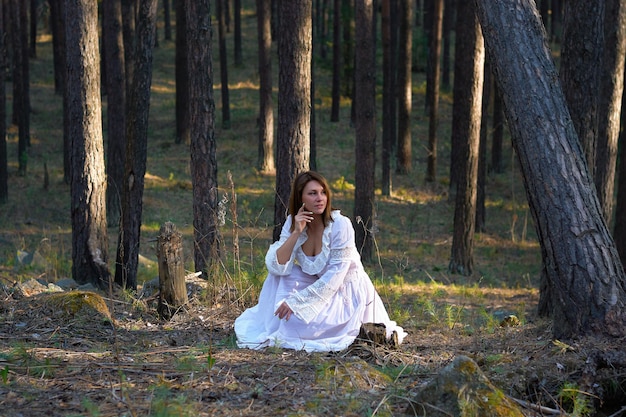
column 610, row 103
column 294, row 101
column 4, row 169
column 266, row 113
column 468, row 91
column 88, row 181
column 337, row 46
column 389, row 96
column 433, row 78
column 172, row 287
column 136, row 148
column 202, row 135
column 583, row 270
column 116, row 106
column 365, row 152
column 222, row 6
column 581, row 51
column 182, row 84
column 405, row 88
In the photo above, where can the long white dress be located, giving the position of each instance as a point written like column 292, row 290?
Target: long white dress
column 330, row 295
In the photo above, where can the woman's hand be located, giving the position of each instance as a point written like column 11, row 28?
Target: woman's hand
column 301, row 219
column 283, row 311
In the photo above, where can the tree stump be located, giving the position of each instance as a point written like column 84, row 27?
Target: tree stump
column 172, row 288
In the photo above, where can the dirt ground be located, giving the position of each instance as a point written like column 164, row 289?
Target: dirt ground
column 57, row 362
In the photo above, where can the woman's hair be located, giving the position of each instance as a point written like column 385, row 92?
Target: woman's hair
column 295, row 199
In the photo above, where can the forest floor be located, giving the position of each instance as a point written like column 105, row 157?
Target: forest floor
column 121, row 359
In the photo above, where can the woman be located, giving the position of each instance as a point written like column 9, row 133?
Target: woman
column 316, row 294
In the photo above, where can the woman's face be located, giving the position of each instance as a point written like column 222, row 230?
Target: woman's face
column 314, row 197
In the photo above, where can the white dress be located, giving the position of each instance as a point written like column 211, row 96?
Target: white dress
column 330, row 295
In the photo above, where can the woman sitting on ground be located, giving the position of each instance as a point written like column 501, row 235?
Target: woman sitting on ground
column 317, row 294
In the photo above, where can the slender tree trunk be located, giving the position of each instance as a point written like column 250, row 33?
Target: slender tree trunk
column 389, row 97
column 581, row 51
column 433, row 99
column 223, row 58
column 405, row 88
column 610, row 103
column 365, row 153
column 4, row 169
column 203, row 143
column 498, row 132
column 294, row 101
column 116, row 106
column 468, row 90
column 482, row 150
column 182, row 84
column 57, row 19
column 32, row 50
column 88, row 180
column 237, row 34
column 266, row 114
column 167, row 20
column 583, row 269
column 337, row 46
column 129, row 15
column 136, row 148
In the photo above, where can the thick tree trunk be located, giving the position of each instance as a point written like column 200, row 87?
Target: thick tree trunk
column 136, row 148
column 294, row 101
column 468, row 92
column 116, row 106
column 365, row 153
column 88, row 181
column 202, row 135
column 583, row 270
column 266, row 114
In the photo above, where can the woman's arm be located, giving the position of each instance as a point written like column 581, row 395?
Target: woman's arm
column 283, row 254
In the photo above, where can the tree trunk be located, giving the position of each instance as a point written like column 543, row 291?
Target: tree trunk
column 237, row 34
column 57, row 19
column 294, row 101
column 172, row 287
column 182, row 84
column 365, row 153
column 585, row 275
column 497, row 164
column 610, row 103
column 468, row 91
column 619, row 230
column 136, row 148
column 581, row 51
column 433, row 98
column 405, row 88
column 4, row 169
column 266, row 113
column 32, row 48
column 167, row 20
column 389, row 97
column 203, row 143
column 223, row 59
column 129, row 17
column 482, row 150
column 337, row 46
column 116, row 106
column 88, row 181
